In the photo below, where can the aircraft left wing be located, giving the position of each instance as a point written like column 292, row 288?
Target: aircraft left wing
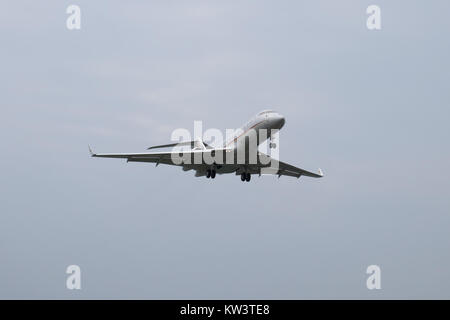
column 289, row 170
column 285, row 169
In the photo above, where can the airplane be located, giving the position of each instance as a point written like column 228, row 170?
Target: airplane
column 239, row 148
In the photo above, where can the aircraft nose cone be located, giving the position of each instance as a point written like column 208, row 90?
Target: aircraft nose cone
column 279, row 122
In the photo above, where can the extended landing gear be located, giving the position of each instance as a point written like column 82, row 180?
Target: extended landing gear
column 245, row 176
column 272, row 145
column 211, row 173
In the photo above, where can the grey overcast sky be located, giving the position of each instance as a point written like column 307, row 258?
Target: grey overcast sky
column 371, row 108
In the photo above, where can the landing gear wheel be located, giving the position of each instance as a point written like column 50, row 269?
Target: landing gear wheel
column 213, row 174
column 243, row 176
column 248, row 176
column 208, row 173
column 272, row 145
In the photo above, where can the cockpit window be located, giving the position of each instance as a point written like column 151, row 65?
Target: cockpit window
column 265, row 111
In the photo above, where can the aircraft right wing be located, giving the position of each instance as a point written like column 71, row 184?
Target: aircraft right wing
column 162, row 157
column 154, row 157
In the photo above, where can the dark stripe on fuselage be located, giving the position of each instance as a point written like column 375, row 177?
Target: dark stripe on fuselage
column 235, row 139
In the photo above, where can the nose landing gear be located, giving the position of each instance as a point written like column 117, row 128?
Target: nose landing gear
column 272, row 144
column 245, row 176
column 210, row 173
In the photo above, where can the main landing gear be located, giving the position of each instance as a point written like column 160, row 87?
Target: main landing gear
column 211, row 173
column 245, row 176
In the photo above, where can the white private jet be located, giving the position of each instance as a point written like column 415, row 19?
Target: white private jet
column 234, row 157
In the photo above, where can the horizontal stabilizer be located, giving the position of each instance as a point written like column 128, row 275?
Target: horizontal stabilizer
column 186, row 143
column 193, row 143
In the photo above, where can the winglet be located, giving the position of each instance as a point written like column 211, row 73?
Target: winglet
column 320, row 172
column 90, row 151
